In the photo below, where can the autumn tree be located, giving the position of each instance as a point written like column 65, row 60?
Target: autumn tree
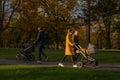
column 58, row 14
column 105, row 10
column 7, row 10
column 27, row 20
column 54, row 15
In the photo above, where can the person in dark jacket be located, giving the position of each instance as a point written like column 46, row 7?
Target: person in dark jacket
column 40, row 41
column 76, row 42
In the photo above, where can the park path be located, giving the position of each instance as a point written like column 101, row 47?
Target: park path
column 55, row 64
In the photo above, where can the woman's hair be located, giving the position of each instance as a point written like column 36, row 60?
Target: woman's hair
column 69, row 31
column 40, row 27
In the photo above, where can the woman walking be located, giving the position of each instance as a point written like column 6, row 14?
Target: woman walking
column 68, row 49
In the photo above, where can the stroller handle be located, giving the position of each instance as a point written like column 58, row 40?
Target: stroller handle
column 78, row 46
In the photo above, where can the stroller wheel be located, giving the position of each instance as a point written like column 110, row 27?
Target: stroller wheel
column 19, row 56
column 92, row 63
column 95, row 63
column 25, row 58
column 80, row 64
column 31, row 57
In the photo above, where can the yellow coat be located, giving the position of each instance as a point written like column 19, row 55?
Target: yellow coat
column 69, row 46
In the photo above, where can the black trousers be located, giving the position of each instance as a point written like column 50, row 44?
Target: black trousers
column 76, row 55
column 40, row 51
column 72, row 58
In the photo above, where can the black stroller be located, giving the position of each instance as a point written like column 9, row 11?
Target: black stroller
column 86, row 59
column 25, row 53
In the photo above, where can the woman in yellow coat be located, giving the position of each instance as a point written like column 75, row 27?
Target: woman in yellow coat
column 68, row 49
column 69, row 45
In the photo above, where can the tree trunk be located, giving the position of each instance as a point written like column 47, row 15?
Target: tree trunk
column 56, row 40
column 107, row 23
column 1, row 24
column 87, row 34
column 1, row 41
column 88, row 23
column 4, row 26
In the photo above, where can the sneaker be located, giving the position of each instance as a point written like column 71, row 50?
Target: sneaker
column 60, row 64
column 75, row 66
column 39, row 61
column 46, row 59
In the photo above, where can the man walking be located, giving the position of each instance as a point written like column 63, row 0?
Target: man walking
column 40, row 40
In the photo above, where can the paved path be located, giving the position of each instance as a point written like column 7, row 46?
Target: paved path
column 55, row 64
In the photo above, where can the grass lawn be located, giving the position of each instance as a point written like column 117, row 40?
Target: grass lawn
column 107, row 57
column 35, row 72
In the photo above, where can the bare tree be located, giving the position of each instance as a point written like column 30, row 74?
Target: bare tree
column 7, row 10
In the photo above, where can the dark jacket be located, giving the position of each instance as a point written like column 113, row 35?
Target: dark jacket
column 40, row 38
column 75, row 39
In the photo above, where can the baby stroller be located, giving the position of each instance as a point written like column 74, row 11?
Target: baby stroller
column 86, row 59
column 25, row 53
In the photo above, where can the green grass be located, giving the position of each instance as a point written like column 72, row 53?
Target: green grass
column 35, row 72
column 107, row 57
column 8, row 53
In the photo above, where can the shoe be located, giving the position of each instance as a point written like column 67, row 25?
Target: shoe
column 75, row 66
column 60, row 64
column 46, row 59
column 39, row 61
